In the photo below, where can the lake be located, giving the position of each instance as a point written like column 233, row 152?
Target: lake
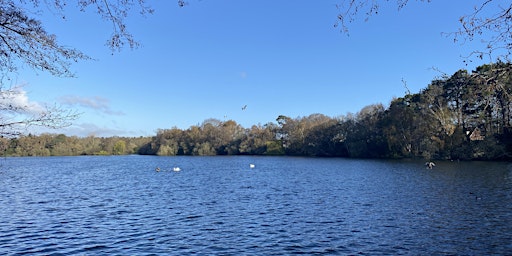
column 119, row 205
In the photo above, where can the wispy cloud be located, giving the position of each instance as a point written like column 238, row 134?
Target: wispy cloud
column 91, row 129
column 97, row 103
column 84, row 130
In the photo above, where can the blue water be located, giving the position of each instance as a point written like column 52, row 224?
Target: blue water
column 120, row 205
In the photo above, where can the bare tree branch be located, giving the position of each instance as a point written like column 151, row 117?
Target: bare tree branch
column 17, row 114
column 494, row 29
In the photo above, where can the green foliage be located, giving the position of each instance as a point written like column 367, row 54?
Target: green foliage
column 204, row 149
column 274, row 148
column 62, row 145
column 119, row 147
column 101, row 153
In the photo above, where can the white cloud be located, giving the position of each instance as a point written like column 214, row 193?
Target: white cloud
column 16, row 99
column 97, row 103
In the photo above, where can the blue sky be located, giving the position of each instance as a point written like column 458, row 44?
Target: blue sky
column 211, row 58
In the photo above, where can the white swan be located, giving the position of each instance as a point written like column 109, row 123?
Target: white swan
column 176, row 169
column 430, row 165
column 251, row 166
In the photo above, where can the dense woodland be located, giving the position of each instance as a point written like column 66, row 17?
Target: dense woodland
column 463, row 116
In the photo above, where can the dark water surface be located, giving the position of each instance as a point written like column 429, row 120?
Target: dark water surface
column 285, row 205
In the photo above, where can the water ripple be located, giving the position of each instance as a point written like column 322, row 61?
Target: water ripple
column 121, row 206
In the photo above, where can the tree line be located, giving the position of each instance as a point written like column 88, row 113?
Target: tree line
column 463, row 116
column 62, row 145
